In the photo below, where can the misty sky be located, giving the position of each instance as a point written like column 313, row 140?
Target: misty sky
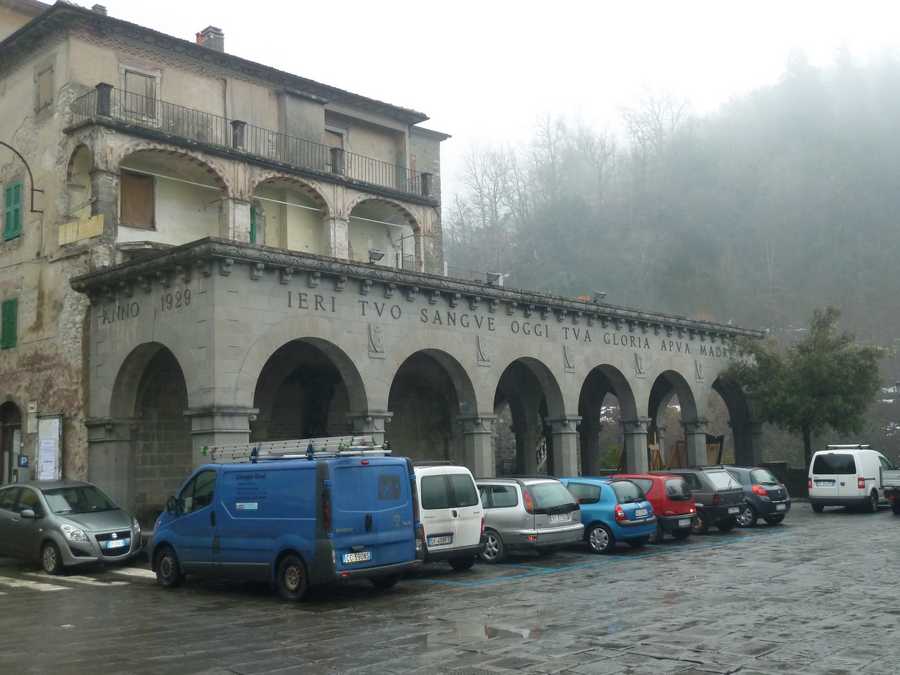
column 486, row 71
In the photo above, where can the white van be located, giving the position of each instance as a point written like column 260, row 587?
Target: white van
column 451, row 513
column 847, row 475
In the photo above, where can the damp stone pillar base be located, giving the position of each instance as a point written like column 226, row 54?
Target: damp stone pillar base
column 478, row 445
column 110, row 457
column 636, row 460
column 370, row 423
column 565, row 446
column 214, row 426
column 695, row 442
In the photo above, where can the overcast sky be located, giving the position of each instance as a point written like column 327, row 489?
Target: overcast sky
column 486, row 71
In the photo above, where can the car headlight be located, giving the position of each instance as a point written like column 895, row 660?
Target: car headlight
column 135, row 525
column 74, row 534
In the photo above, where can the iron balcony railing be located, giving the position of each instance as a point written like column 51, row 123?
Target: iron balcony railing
column 108, row 103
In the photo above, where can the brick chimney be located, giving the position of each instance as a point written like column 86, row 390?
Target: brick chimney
column 212, row 37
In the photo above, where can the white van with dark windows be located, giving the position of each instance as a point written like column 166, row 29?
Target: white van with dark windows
column 847, row 475
column 450, row 512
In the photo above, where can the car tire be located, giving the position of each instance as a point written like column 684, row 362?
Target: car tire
column 600, row 539
column 774, row 520
column 726, row 525
column 895, row 506
column 699, row 525
column 386, row 582
column 817, row 508
column 747, row 516
column 462, row 564
column 680, row 534
column 638, row 542
column 51, row 558
column 494, row 551
column 168, row 569
column 872, row 504
column 290, row 578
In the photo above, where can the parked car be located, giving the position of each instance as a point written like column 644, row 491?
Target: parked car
column 612, row 510
column 65, row 523
column 536, row 514
column 451, row 513
column 717, row 495
column 671, row 499
column 847, row 475
column 765, row 496
column 294, row 522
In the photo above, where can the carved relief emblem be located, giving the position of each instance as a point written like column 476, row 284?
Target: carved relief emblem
column 376, row 341
column 698, row 370
column 482, row 352
column 568, row 364
column 639, row 370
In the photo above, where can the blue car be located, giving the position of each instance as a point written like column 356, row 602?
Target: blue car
column 612, row 510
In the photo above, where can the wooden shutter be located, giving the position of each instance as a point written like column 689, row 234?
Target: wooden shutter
column 44, row 88
column 253, row 224
column 12, row 211
column 137, row 200
column 9, row 319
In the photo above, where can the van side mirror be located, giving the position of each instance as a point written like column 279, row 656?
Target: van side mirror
column 173, row 506
column 28, row 513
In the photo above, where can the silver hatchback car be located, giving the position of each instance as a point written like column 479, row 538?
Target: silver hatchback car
column 537, row 513
column 63, row 524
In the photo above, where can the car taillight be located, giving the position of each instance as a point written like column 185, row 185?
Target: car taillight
column 482, row 525
column 529, row 502
column 760, row 490
column 861, row 483
column 326, row 509
column 717, row 499
column 809, row 483
column 620, row 514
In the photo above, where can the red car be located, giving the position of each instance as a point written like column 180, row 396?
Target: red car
column 671, row 499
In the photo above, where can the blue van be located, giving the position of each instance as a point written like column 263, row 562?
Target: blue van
column 294, row 522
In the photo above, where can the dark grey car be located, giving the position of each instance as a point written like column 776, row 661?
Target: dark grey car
column 63, row 524
column 718, row 496
column 765, row 496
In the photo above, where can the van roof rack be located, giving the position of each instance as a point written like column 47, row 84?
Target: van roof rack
column 432, row 462
column 851, row 446
column 299, row 448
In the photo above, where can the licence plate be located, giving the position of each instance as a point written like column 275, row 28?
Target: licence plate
column 440, row 540
column 559, row 517
column 734, row 509
column 117, row 543
column 640, row 513
column 824, row 483
column 361, row 556
column 685, row 522
column 781, row 507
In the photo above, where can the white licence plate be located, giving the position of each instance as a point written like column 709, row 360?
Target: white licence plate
column 734, row 509
column 685, row 522
column 640, row 513
column 440, row 540
column 824, row 483
column 781, row 507
column 117, row 543
column 559, row 517
column 361, row 556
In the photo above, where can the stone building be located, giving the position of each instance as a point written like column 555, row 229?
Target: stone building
column 219, row 251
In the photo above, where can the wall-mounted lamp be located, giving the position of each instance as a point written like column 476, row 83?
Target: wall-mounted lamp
column 375, row 255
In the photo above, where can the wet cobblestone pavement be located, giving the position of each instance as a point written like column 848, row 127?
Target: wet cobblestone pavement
column 814, row 595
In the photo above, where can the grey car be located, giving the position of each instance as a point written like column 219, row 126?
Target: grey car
column 536, row 514
column 64, row 524
column 765, row 496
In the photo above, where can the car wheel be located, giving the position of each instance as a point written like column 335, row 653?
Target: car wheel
column 747, row 516
column 638, row 542
column 681, row 534
column 462, row 564
column 774, row 520
column 290, row 579
column 384, row 583
column 600, row 539
column 817, row 508
column 493, row 551
column 726, row 525
column 51, row 558
column 895, row 506
column 699, row 525
column 872, row 505
column 168, row 569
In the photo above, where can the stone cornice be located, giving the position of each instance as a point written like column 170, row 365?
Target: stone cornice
column 201, row 255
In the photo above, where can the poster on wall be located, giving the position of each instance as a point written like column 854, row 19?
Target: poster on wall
column 49, row 453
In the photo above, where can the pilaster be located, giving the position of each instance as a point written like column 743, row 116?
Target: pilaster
column 370, row 422
column 636, row 460
column 214, row 425
column 478, row 444
column 695, row 442
column 565, row 445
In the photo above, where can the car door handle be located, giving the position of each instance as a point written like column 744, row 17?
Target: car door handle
column 455, row 513
column 212, row 518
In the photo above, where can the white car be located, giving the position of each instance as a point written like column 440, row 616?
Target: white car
column 847, row 475
column 451, row 513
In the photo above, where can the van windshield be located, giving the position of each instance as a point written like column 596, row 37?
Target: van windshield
column 834, row 463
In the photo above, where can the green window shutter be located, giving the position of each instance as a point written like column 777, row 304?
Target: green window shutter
column 12, row 211
column 9, row 319
column 252, row 225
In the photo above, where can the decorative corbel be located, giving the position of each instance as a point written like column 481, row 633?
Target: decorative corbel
column 285, row 274
column 225, row 265
column 256, row 271
column 313, row 279
column 411, row 293
column 389, row 289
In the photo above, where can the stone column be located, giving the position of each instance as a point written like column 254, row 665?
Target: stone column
column 214, row 426
column 235, row 219
column 371, row 423
column 636, row 460
column 105, row 199
column 478, row 444
column 110, row 457
column 337, row 237
column 589, row 436
column 565, row 445
column 695, row 442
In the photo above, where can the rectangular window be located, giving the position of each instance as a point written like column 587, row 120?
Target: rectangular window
column 44, row 85
column 503, row 496
column 12, row 210
column 834, row 464
column 137, row 199
column 140, row 94
column 9, row 322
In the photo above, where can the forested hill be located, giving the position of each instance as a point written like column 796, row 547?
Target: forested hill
column 784, row 200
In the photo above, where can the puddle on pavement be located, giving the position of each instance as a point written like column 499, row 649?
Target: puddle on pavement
column 465, row 630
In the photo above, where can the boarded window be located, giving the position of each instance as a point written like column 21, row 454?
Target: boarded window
column 140, row 94
column 12, row 210
column 137, row 200
column 44, row 84
column 9, row 323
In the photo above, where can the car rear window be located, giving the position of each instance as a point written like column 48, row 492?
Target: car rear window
column 462, row 487
column 834, row 463
column 357, row 487
column 448, row 492
column 763, row 476
column 644, row 483
column 677, row 489
column 584, row 493
column 549, row 495
column 627, row 492
column 722, row 480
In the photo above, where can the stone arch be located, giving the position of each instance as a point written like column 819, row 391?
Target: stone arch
column 216, row 172
column 307, row 387
column 598, row 413
column 10, row 439
column 308, row 188
column 675, row 452
column 740, row 419
column 387, row 226
column 287, row 212
column 79, row 195
column 430, row 391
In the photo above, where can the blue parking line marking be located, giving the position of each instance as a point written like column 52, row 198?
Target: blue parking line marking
column 534, row 571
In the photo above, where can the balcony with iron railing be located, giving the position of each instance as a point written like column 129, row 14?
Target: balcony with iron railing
column 117, row 108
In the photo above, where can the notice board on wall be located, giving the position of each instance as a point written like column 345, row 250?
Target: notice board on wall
column 49, row 450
